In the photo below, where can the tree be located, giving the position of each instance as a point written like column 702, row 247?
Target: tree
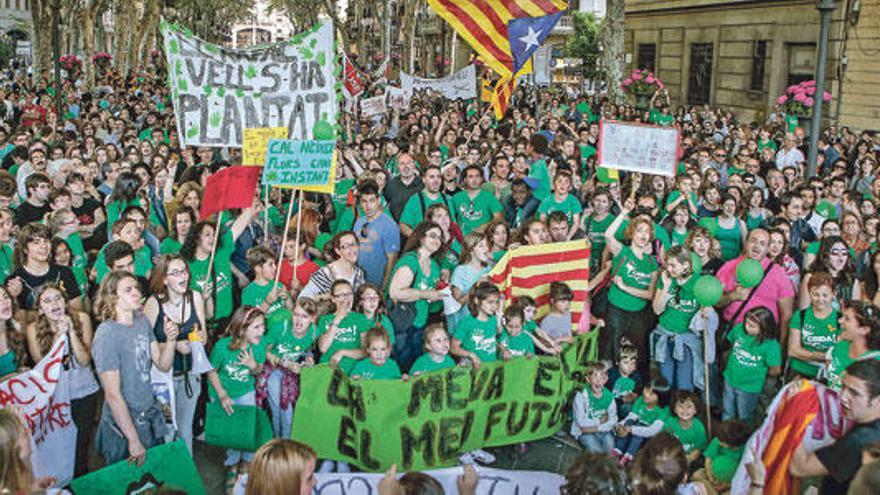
column 612, row 44
column 303, row 14
column 585, row 43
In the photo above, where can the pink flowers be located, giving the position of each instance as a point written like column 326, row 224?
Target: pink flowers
column 800, row 98
column 641, row 82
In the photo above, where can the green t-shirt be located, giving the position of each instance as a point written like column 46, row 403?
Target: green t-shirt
column 348, row 336
column 235, row 377
column 837, row 364
column 750, row 360
column 538, row 171
column 693, row 438
column 6, row 264
column 767, row 144
column 170, row 245
column 78, row 261
column 278, row 317
column 425, row 364
column 649, row 416
column 472, row 213
column 287, row 346
column 413, row 214
column 816, row 336
column 478, row 336
column 450, row 257
column 791, row 122
column 636, row 273
column 570, row 206
column 520, row 345
column 657, row 117
column 366, row 370
column 725, row 460
column 143, row 263
column 623, row 386
column 596, row 233
column 599, row 405
column 200, row 279
column 421, row 281
column 682, row 306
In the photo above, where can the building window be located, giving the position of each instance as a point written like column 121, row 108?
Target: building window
column 801, row 62
column 759, row 59
column 647, row 56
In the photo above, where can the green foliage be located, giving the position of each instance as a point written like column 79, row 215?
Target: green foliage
column 210, row 20
column 6, row 53
column 584, row 44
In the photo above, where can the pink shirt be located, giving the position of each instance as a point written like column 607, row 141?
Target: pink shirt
column 775, row 286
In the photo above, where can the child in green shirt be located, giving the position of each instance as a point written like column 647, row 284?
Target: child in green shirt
column 530, row 326
column 475, row 338
column 723, row 454
column 755, row 355
column 595, row 412
column 436, row 356
column 685, row 426
column 378, row 366
column 513, row 342
column 264, row 293
column 290, row 348
column 813, row 331
column 646, row 419
column 237, row 360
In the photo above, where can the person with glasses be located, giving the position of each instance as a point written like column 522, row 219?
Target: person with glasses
column 342, row 253
column 172, row 300
column 836, row 259
column 414, row 282
column 341, row 330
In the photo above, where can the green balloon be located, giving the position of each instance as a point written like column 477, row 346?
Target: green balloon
column 749, row 273
column 323, row 131
column 827, row 210
column 708, row 290
column 602, row 175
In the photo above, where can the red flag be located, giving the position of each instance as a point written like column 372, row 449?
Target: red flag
column 232, row 187
column 353, row 84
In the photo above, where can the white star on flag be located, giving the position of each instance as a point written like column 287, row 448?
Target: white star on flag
column 531, row 38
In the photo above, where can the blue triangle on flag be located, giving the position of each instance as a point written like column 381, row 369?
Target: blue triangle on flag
column 526, row 34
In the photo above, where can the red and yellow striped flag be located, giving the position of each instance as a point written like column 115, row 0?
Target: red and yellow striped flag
column 501, row 96
column 483, row 24
column 528, row 271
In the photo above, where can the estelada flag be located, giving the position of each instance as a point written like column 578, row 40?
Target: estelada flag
column 529, row 270
column 230, row 188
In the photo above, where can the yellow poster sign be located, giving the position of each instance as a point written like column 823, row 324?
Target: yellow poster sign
column 255, row 141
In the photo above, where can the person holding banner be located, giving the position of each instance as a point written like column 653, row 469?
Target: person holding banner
column 53, row 321
column 124, row 349
column 172, row 300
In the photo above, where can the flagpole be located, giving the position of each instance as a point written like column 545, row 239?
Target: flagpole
column 284, row 238
column 214, row 247
column 706, row 374
column 298, row 230
column 266, row 212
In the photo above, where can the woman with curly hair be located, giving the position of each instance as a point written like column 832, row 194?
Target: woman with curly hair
column 53, row 321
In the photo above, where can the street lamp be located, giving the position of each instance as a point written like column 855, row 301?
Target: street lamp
column 826, row 9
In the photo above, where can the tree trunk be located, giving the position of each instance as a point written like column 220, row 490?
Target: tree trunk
column 88, row 16
column 121, row 13
column 147, row 26
column 612, row 54
column 41, row 15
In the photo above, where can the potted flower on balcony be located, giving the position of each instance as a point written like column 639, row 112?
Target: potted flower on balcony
column 797, row 102
column 102, row 60
column 641, row 84
column 72, row 65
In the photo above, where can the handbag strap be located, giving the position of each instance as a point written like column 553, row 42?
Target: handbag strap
column 752, row 292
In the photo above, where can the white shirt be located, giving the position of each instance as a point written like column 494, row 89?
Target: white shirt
column 792, row 158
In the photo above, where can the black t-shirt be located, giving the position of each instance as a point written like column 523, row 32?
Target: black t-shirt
column 85, row 213
column 844, row 457
column 60, row 274
column 27, row 213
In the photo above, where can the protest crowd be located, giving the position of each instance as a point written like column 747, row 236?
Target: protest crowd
column 710, row 289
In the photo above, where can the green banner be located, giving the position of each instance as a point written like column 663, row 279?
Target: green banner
column 167, row 466
column 428, row 421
